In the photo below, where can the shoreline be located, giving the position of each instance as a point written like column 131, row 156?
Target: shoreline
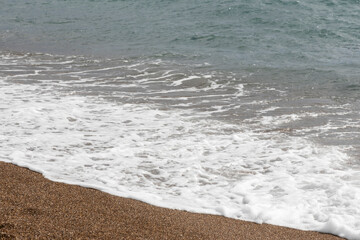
column 32, row 206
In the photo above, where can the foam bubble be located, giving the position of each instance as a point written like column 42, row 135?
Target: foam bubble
column 181, row 159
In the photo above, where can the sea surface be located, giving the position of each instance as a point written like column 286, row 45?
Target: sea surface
column 247, row 109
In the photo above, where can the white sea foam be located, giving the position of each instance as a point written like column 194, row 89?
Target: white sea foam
column 177, row 159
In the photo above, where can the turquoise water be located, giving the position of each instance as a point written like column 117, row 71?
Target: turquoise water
column 307, row 49
column 232, row 34
column 248, row 109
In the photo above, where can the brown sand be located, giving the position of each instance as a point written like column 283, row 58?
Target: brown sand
column 32, row 207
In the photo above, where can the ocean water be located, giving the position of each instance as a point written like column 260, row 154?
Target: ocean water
column 249, row 110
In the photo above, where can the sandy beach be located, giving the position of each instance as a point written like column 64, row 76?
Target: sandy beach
column 32, row 207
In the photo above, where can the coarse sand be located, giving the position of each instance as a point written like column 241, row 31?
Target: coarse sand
column 32, row 207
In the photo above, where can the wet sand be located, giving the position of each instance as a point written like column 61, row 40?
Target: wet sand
column 32, row 207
